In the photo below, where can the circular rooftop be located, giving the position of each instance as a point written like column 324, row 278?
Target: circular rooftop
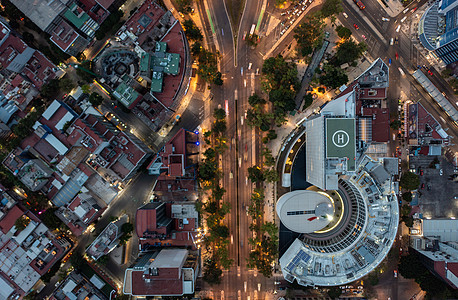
column 305, row 211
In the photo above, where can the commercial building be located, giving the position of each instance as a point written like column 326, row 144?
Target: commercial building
column 76, row 286
column 71, row 24
column 438, row 30
column 160, row 224
column 437, row 245
column 167, row 272
column 176, row 165
column 107, row 240
column 347, row 218
column 26, row 254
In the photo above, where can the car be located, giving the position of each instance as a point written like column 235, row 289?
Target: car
column 356, row 26
column 345, row 15
column 396, row 40
column 406, row 10
column 282, row 32
column 395, row 273
column 364, row 37
column 391, row 42
column 421, row 172
column 398, row 28
column 422, row 186
column 385, row 19
column 403, row 19
column 441, row 172
column 428, row 187
column 414, row 9
column 397, row 56
column 304, row 7
column 430, row 72
column 389, row 62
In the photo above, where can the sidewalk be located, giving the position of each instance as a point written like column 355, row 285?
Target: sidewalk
column 394, row 8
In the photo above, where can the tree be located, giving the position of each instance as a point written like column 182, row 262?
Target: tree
column 212, row 273
column 334, row 291
column 96, row 99
column 409, row 181
column 196, row 48
column 343, row 32
column 271, row 175
column 66, row 85
column 269, row 160
column 278, row 73
column 255, row 100
column 219, row 127
column 184, row 6
column 66, row 126
column 193, row 32
column 111, row 24
column 221, row 231
column 22, row 222
column 407, row 196
column 28, row 38
column 103, row 260
column 127, row 228
column 308, row 100
column 84, row 71
column 348, row 51
column 334, row 77
column 309, row 35
column 331, row 8
column 219, row 114
column 271, row 135
column 395, row 124
column 48, row 90
column 208, row 68
column 255, row 174
column 50, row 219
column 218, row 79
column 208, row 171
column 271, row 229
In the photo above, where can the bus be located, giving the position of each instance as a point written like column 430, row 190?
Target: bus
column 360, row 4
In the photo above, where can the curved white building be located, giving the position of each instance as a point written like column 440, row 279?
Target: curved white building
column 360, row 241
column 349, row 219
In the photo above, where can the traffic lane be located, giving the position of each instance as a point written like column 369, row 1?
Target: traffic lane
column 222, row 26
column 358, row 17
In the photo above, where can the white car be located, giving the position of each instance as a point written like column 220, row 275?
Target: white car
column 441, row 172
column 398, row 28
column 403, row 19
column 391, row 41
column 385, row 19
column 345, row 15
column 405, row 10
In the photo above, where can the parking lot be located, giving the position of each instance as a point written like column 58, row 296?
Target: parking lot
column 438, row 193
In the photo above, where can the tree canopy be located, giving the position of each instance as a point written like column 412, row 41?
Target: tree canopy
column 192, row 32
column 309, row 35
column 343, row 32
column 331, row 7
column 219, row 114
column 255, row 99
column 348, row 51
column 96, row 99
column 255, row 174
column 409, row 181
column 333, row 77
column 279, row 74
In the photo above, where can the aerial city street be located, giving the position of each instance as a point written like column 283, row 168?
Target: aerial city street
column 228, row 149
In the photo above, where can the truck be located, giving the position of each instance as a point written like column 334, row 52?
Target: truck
column 360, row 4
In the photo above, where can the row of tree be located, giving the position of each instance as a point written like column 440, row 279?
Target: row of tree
column 214, row 209
column 409, row 181
column 208, row 61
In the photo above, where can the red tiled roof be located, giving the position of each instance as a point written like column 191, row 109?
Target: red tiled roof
column 380, row 123
column 176, row 170
column 105, row 3
column 8, row 221
column 63, row 35
column 171, row 84
column 157, row 285
column 145, row 220
column 39, row 69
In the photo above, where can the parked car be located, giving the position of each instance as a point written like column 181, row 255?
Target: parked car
column 356, row 26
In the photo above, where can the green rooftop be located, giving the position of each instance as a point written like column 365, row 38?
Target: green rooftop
column 145, row 62
column 161, row 63
column 125, row 94
column 340, row 140
column 76, row 16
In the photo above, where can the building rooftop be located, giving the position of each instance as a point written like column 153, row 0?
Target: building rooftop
column 63, row 35
column 351, row 253
column 305, row 211
column 422, row 128
column 76, row 286
column 107, row 239
column 168, row 272
column 41, row 12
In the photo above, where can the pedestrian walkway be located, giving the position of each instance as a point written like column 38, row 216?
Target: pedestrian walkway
column 391, row 7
